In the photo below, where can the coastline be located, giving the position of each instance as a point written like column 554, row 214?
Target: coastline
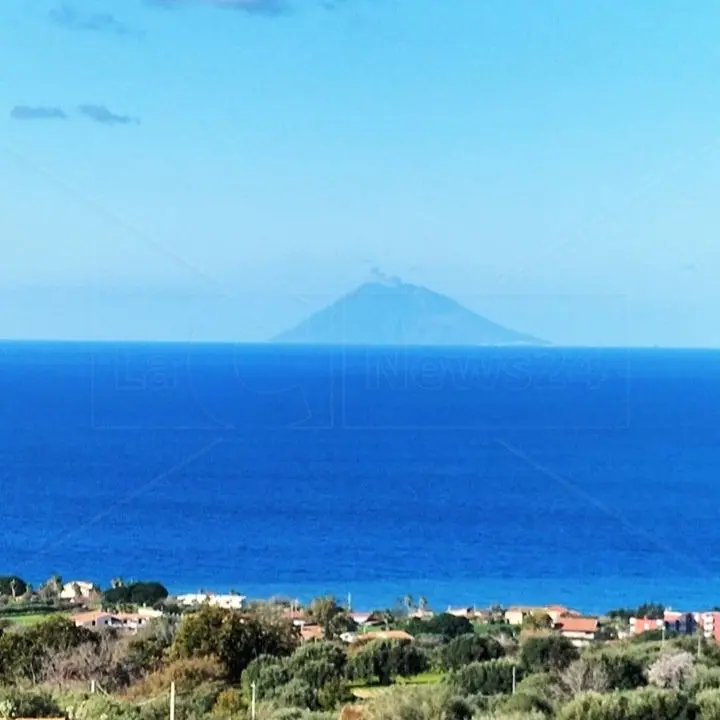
column 595, row 596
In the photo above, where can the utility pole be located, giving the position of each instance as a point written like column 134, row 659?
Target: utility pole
column 172, row 701
column 662, row 642
column 513, row 682
column 252, row 702
column 349, row 602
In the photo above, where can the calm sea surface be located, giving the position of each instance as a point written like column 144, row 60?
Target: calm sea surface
column 588, row 477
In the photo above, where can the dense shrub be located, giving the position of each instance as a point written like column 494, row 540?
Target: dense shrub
column 296, row 693
column 139, row 593
column 466, row 649
column 583, row 675
column 539, row 684
column 623, row 671
column 104, row 660
column 232, row 638
column 188, row 675
column 386, row 659
column 409, row 703
column 708, row 702
column 267, row 673
column 319, row 662
column 673, row 671
column 17, row 704
column 24, row 653
column 95, row 707
column 494, row 677
column 547, row 652
column 707, row 678
column 269, row 711
column 457, row 708
column 446, row 625
column 313, row 677
column 643, row 704
column 527, row 703
column 230, row 703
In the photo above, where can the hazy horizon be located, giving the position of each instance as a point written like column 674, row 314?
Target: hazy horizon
column 218, row 171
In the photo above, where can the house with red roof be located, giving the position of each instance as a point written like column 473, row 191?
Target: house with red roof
column 581, row 631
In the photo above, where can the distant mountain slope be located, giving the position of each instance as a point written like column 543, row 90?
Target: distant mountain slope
column 378, row 313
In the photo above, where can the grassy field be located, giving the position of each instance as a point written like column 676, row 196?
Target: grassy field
column 364, row 691
column 428, row 678
column 31, row 619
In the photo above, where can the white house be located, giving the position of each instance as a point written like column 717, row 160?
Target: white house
column 99, row 619
column 466, row 612
column 229, row 602
column 78, row 590
column 581, row 631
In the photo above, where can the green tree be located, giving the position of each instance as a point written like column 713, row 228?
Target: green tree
column 652, row 610
column 12, row 586
column 319, row 662
column 623, row 671
column 267, row 673
column 315, row 674
column 537, row 621
column 332, row 617
column 466, row 649
column 494, row 677
column 408, row 604
column 387, row 659
column 139, row 593
column 446, row 625
column 232, row 638
column 322, row 665
column 50, row 590
column 547, row 652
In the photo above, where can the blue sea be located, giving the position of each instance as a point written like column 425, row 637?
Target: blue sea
column 532, row 475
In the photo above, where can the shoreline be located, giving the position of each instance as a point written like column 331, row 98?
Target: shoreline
column 595, row 597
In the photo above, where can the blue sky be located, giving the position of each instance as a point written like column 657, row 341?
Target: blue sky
column 184, row 169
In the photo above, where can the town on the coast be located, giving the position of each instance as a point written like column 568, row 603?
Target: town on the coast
column 73, row 650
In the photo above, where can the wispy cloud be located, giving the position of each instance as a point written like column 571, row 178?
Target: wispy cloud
column 101, row 114
column 71, row 18
column 97, row 113
column 252, row 7
column 27, row 112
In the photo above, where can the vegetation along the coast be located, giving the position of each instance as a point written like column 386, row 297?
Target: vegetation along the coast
column 78, row 652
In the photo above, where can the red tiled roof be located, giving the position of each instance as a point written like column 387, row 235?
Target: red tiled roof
column 578, row 624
